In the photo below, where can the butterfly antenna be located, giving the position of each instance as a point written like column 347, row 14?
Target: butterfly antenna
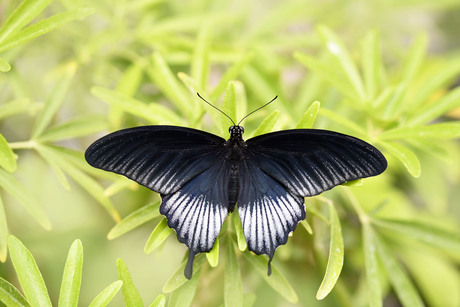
column 258, row 109
column 216, row 109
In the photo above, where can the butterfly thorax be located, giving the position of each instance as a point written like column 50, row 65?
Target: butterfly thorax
column 234, row 146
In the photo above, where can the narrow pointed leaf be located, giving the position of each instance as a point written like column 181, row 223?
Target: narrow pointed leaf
column 213, row 255
column 183, row 296
column 276, row 280
column 240, row 239
column 406, row 156
column 441, row 131
column 3, row 233
column 309, row 117
column 7, row 159
column 177, row 279
column 371, row 265
column 13, row 187
column 43, row 27
column 338, row 50
column 71, row 279
column 335, row 260
column 268, row 123
column 130, row 293
column 342, row 121
column 14, row 107
column 414, row 58
column 199, row 66
column 233, row 287
column 371, row 64
column 229, row 107
column 160, row 301
column 307, row 226
column 401, row 283
column 106, row 295
column 29, row 275
column 10, row 295
column 4, row 65
column 430, row 234
column 158, row 236
column 49, row 157
column 153, row 112
column 54, row 102
column 21, row 16
column 76, row 127
column 135, row 219
column 230, row 74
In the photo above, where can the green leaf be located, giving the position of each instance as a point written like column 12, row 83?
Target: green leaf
column 440, row 131
column 10, row 295
column 106, row 295
column 371, row 64
column 49, row 155
column 395, row 102
column 309, row 116
column 268, row 124
column 339, row 52
column 230, row 74
column 327, row 72
column 213, row 255
column 371, row 265
column 162, row 76
column 178, row 278
column 307, row 226
column 240, row 239
column 406, row 156
column 130, row 293
column 399, row 280
column 199, row 67
column 7, row 158
column 13, row 187
column 429, row 234
column 183, row 296
column 414, row 58
column 71, row 279
column 336, row 253
column 4, row 65
column 153, row 112
column 158, row 236
column 3, row 233
column 76, row 127
column 29, row 275
column 21, row 16
column 54, row 102
column 229, row 107
column 339, row 119
column 436, row 108
column 233, row 287
column 135, row 219
column 43, row 27
column 276, row 280
column 14, row 107
column 160, row 301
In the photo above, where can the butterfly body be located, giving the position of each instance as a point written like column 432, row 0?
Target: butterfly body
column 201, row 177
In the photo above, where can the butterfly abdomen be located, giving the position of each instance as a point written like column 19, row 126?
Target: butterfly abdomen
column 233, row 186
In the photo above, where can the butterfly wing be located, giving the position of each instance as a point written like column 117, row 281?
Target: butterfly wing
column 161, row 158
column 197, row 210
column 186, row 166
column 268, row 211
column 311, row 161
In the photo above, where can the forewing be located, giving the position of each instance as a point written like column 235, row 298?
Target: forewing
column 197, row 210
column 268, row 211
column 162, row 158
column 310, row 161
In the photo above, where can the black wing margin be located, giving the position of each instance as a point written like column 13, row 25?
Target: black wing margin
column 161, row 158
column 310, row 161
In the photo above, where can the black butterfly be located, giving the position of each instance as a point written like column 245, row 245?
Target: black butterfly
column 201, row 177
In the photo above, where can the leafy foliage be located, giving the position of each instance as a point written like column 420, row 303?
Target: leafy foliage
column 142, row 62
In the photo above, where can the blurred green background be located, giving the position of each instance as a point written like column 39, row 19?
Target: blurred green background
column 385, row 71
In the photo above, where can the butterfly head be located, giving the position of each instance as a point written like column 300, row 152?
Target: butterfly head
column 236, row 131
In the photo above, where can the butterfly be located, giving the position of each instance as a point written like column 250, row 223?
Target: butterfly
column 202, row 177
